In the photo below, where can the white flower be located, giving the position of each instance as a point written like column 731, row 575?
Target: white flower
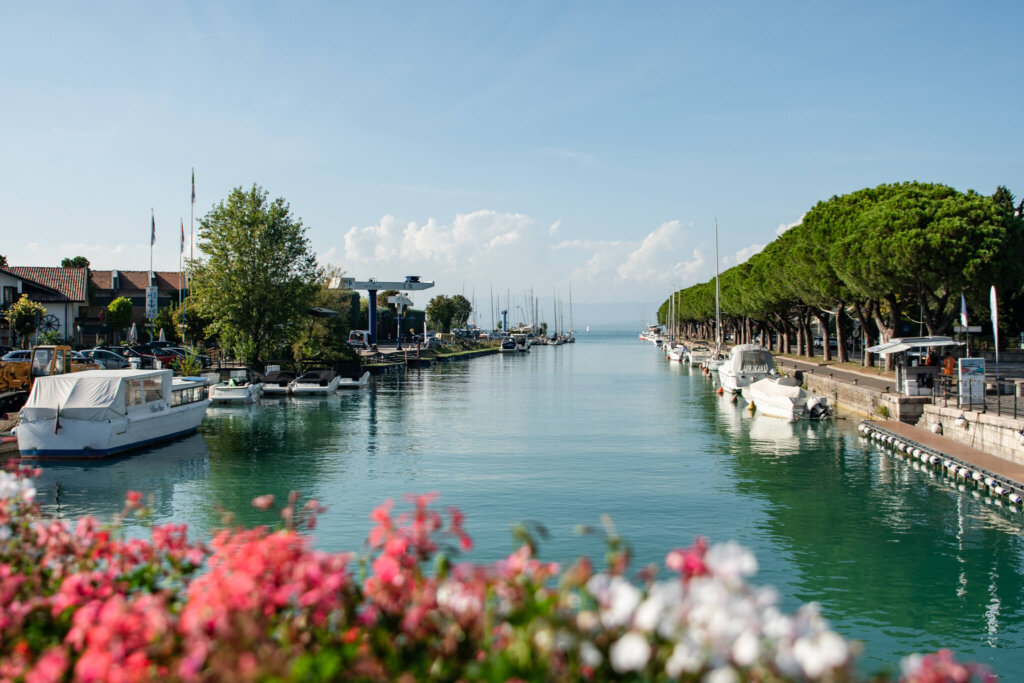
column 662, row 597
column 911, row 665
column 630, row 653
column 5, row 532
column 730, row 561
column 454, row 595
column 820, row 653
column 746, row 649
column 590, row 655
column 686, row 656
column 587, row 621
column 618, row 597
column 544, row 639
column 725, row 674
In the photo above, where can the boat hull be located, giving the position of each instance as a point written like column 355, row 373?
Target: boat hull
column 245, row 393
column 77, row 439
column 348, row 383
column 308, row 389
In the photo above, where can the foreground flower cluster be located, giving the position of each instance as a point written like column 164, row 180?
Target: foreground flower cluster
column 79, row 602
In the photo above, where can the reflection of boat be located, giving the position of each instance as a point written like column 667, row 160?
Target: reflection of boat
column 278, row 382
column 746, row 364
column 349, row 383
column 240, row 388
column 783, row 397
column 97, row 413
column 315, row 382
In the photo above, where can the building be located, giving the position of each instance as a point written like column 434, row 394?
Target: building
column 76, row 310
column 111, row 284
column 63, row 292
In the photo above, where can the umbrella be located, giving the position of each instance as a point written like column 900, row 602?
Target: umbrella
column 162, row 337
column 132, row 334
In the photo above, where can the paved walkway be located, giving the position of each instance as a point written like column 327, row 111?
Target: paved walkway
column 876, row 382
column 999, row 468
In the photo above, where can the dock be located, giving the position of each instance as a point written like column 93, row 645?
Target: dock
column 998, row 476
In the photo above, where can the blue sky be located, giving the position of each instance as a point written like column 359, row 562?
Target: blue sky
column 508, row 144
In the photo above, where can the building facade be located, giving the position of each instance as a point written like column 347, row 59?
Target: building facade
column 63, row 292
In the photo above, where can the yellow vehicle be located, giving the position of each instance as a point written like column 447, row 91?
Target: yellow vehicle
column 16, row 377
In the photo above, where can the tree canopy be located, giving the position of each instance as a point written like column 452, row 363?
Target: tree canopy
column 119, row 313
column 877, row 254
column 74, row 262
column 259, row 278
column 22, row 316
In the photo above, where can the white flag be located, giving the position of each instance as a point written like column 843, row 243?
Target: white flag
column 995, row 320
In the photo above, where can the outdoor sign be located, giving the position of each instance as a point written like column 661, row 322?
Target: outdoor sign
column 972, row 381
column 150, row 303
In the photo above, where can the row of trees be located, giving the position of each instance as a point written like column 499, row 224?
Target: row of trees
column 447, row 312
column 882, row 256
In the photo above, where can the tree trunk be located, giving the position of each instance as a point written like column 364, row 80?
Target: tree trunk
column 826, row 351
column 841, row 354
column 862, row 317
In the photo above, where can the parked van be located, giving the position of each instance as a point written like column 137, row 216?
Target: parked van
column 359, row 339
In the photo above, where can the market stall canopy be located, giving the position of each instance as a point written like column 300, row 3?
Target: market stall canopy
column 907, row 343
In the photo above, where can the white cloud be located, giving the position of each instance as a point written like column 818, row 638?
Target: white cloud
column 746, row 252
column 783, row 227
column 554, row 227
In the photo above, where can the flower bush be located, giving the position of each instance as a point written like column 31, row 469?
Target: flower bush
column 80, row 602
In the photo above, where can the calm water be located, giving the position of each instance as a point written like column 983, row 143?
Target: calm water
column 898, row 559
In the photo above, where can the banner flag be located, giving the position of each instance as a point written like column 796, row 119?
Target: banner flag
column 182, row 249
column 193, row 186
column 152, row 231
column 963, row 310
column 995, row 320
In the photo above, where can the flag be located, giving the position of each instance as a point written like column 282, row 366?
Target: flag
column 152, row 232
column 995, row 320
column 182, row 249
column 193, row 186
column 963, row 311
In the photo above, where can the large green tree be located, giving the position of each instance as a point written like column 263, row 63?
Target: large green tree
column 74, row 262
column 461, row 310
column 259, row 278
column 440, row 311
column 119, row 314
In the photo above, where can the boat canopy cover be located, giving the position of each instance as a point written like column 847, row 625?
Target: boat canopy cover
column 906, row 343
column 93, row 395
column 783, row 387
column 751, row 358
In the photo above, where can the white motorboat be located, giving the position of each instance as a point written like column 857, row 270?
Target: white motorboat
column 349, row 383
column 747, row 363
column 98, row 413
column 784, row 397
column 240, row 388
column 677, row 354
column 315, row 382
column 508, row 345
column 278, row 382
column 699, row 354
column 522, row 343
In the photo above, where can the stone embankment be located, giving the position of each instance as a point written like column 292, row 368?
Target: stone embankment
column 874, row 396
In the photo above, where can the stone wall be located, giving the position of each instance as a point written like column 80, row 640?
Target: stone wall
column 987, row 432
column 867, row 402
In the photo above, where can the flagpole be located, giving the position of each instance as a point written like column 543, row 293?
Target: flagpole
column 191, row 239
column 181, row 250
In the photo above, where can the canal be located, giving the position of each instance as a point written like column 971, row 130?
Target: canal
column 898, row 559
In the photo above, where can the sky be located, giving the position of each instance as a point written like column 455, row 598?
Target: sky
column 493, row 146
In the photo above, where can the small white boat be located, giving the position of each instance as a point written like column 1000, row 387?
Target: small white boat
column 98, row 413
column 522, row 343
column 315, row 382
column 278, row 383
column 700, row 353
column 508, row 345
column 747, row 363
column 783, row 397
column 238, row 389
column 349, row 383
column 677, row 354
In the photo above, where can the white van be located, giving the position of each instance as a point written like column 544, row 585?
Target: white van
column 359, row 339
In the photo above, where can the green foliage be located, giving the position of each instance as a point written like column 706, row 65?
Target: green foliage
column 324, row 338
column 119, row 313
column 51, row 337
column 22, row 317
column 260, row 277
column 189, row 366
column 168, row 319
column 75, row 262
column 440, row 312
column 462, row 308
column 3, row 261
column 382, row 300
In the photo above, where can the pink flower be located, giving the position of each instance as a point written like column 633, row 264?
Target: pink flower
column 50, row 668
column 263, row 502
column 133, row 499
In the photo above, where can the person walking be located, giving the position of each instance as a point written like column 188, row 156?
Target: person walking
column 948, row 365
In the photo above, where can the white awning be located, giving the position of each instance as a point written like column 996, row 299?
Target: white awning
column 907, row 343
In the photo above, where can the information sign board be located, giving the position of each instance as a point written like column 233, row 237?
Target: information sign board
column 150, row 302
column 972, row 381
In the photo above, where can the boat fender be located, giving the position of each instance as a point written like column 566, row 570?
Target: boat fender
column 1014, row 498
column 934, row 459
column 990, row 482
column 963, row 472
column 733, row 399
column 751, row 408
column 1000, row 490
column 937, row 428
column 720, row 391
column 977, row 476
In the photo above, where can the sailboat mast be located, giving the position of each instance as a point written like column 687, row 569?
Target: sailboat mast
column 718, row 307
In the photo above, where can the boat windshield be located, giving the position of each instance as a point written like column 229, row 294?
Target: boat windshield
column 756, row 361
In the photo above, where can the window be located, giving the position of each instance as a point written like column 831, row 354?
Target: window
column 153, row 388
column 133, row 393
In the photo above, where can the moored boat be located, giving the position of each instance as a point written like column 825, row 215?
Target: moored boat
column 315, row 382
column 677, row 354
column 241, row 387
column 784, row 397
column 747, row 363
column 278, row 382
column 98, row 413
column 350, row 383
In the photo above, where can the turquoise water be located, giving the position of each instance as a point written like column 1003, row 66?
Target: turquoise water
column 898, row 559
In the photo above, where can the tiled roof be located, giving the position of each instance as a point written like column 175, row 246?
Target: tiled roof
column 137, row 280
column 69, row 283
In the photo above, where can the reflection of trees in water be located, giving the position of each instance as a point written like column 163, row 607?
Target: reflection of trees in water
column 70, row 489
column 873, row 539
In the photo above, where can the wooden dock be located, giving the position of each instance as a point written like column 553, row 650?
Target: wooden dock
column 953, row 456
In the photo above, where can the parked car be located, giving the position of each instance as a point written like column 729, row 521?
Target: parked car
column 18, row 355
column 108, row 359
column 147, row 355
column 4, row 350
